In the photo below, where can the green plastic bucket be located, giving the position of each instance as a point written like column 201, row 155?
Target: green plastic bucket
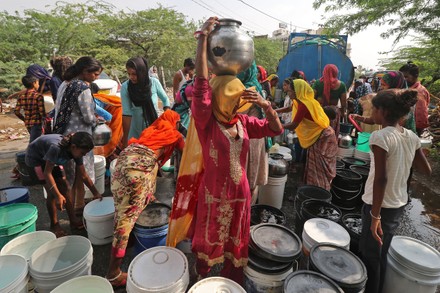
column 363, row 140
column 15, row 220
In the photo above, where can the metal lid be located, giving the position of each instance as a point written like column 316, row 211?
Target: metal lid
column 275, row 242
column 339, row 264
column 415, row 254
column 154, row 215
column 310, row 282
column 216, row 284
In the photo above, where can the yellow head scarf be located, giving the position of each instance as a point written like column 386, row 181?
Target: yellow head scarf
column 226, row 97
column 272, row 88
column 308, row 131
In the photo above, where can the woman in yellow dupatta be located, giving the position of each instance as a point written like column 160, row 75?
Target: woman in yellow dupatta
column 212, row 199
column 314, row 134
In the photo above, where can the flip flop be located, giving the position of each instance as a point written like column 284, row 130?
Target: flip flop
column 119, row 281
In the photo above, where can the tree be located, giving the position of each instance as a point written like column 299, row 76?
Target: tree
column 268, row 53
column 422, row 16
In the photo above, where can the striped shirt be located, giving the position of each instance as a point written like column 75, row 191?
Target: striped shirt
column 32, row 104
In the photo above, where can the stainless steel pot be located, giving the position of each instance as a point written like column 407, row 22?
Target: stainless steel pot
column 278, row 166
column 230, row 50
column 345, row 141
column 101, row 134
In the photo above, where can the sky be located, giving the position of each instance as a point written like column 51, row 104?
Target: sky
column 262, row 19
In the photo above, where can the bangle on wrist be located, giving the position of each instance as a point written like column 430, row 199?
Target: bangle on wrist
column 197, row 34
column 374, row 217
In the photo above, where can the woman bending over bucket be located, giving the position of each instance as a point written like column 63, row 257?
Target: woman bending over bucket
column 134, row 182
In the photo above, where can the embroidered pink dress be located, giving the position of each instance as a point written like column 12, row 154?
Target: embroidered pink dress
column 222, row 218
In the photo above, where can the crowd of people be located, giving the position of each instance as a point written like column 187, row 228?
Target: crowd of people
column 222, row 125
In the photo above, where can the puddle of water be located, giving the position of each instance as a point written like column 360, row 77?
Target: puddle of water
column 421, row 219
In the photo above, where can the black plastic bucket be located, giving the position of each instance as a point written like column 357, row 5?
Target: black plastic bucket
column 261, row 213
column 347, row 199
column 313, row 208
column 347, row 179
column 353, row 224
column 351, row 273
column 350, row 161
column 340, row 164
column 304, row 193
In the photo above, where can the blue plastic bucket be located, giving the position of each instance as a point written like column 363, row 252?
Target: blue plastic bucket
column 16, row 219
column 10, row 195
column 363, row 142
column 151, row 228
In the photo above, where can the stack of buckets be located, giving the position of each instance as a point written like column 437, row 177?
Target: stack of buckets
column 16, row 219
column 304, row 193
column 23, row 246
column 413, row 266
column 272, row 193
column 340, row 265
column 158, row 270
column 99, row 176
column 60, row 260
column 14, row 274
column 274, row 251
column 362, row 150
column 98, row 220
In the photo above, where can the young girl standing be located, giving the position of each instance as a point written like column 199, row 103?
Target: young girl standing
column 394, row 151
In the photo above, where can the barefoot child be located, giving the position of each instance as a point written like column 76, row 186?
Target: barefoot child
column 46, row 156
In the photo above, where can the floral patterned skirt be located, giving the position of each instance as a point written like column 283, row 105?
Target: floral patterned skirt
column 133, row 187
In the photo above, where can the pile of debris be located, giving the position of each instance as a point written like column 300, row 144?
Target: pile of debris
column 13, row 133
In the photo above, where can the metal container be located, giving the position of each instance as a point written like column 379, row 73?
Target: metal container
column 278, row 166
column 345, row 141
column 101, row 134
column 230, row 50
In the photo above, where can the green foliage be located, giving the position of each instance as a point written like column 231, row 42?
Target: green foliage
column 403, row 17
column 268, row 53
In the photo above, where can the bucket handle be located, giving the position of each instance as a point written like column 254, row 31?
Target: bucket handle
column 85, row 228
column 364, row 142
column 354, row 122
column 360, row 190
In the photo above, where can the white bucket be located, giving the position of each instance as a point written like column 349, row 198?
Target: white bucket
column 216, row 284
column 14, row 274
column 26, row 244
column 99, row 176
column 273, row 192
column 262, row 283
column 318, row 230
column 60, row 260
column 158, row 269
column 98, row 220
column 112, row 171
column 85, row 284
column 413, row 266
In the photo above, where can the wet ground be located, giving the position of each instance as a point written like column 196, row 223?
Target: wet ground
column 421, row 219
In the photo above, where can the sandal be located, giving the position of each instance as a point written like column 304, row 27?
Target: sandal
column 78, row 226
column 119, row 281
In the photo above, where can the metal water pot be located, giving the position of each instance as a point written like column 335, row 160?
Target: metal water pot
column 230, row 50
column 345, row 140
column 101, row 134
column 278, row 166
